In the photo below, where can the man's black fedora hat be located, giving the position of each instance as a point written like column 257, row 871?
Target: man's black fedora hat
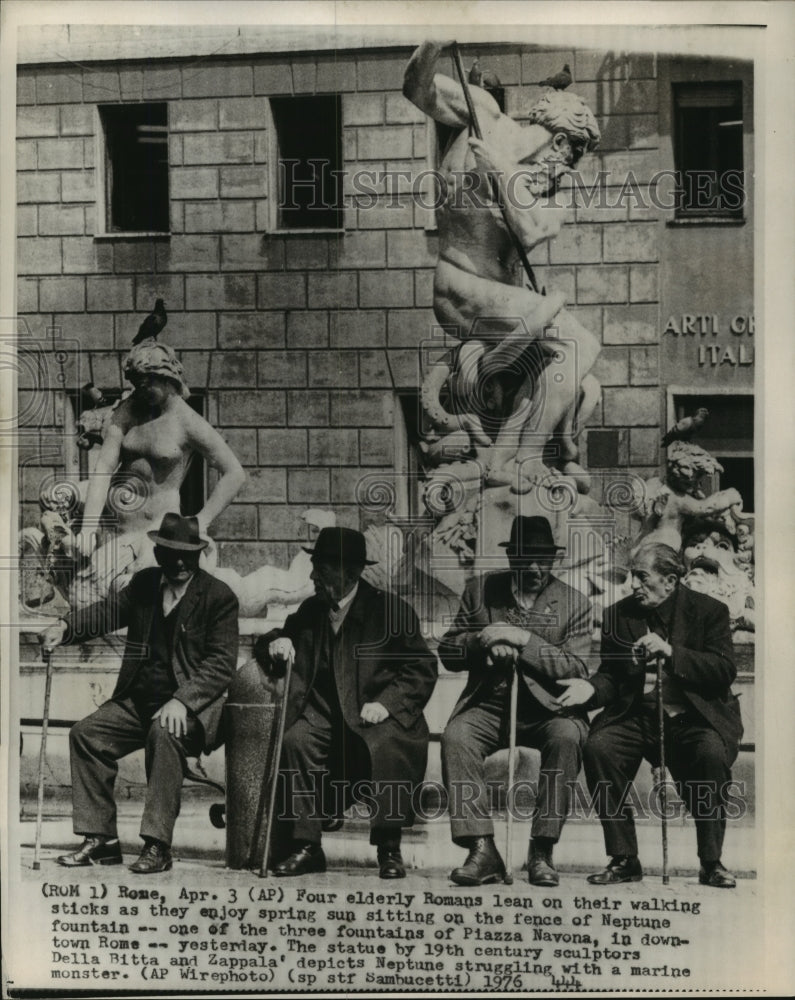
column 177, row 532
column 531, row 536
column 341, row 545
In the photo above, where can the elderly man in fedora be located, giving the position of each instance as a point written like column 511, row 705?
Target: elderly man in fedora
column 179, row 658
column 522, row 618
column 362, row 675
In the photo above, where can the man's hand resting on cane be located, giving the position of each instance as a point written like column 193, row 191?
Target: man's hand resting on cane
column 503, row 642
column 282, row 651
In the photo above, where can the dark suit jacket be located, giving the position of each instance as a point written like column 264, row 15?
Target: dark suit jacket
column 381, row 657
column 560, row 638
column 702, row 662
column 204, row 654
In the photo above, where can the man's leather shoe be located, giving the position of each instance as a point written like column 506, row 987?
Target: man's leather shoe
column 483, row 864
column 622, row 869
column 305, row 860
column 390, row 863
column 154, row 858
column 717, row 876
column 540, row 870
column 93, row 851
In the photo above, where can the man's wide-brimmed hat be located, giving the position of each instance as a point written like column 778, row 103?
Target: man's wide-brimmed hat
column 531, row 536
column 177, row 532
column 341, row 545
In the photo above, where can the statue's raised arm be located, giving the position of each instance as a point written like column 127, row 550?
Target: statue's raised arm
column 440, row 96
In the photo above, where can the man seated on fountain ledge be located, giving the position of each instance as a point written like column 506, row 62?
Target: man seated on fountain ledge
column 691, row 634
column 179, row 658
column 354, row 729
column 523, row 619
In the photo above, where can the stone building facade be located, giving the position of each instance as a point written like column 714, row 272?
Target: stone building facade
column 306, row 348
column 302, row 346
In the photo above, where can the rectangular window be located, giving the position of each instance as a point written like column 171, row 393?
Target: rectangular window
column 134, row 188
column 728, row 435
column 308, row 162
column 708, row 150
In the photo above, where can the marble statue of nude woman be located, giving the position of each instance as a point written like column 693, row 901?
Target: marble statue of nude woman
column 148, row 441
column 147, row 447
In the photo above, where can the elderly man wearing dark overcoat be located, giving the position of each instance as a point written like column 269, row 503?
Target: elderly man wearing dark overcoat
column 690, row 634
column 361, row 676
column 522, row 619
column 180, row 657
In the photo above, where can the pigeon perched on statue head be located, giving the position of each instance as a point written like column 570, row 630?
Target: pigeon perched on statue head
column 685, row 428
column 153, row 324
column 559, row 81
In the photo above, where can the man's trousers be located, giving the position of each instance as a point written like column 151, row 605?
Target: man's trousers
column 481, row 730
column 115, row 730
column 695, row 754
column 326, row 767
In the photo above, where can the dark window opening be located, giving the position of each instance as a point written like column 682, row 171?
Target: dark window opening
column 738, row 473
column 136, row 168
column 708, row 149
column 728, row 434
column 309, row 161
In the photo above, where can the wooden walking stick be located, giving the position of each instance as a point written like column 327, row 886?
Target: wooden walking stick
column 528, row 270
column 274, row 768
column 663, row 788
column 46, row 655
column 508, row 880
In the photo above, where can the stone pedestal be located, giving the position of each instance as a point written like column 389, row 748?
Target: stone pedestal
column 250, row 722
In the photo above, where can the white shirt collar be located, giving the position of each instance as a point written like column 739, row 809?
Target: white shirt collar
column 337, row 616
column 347, row 600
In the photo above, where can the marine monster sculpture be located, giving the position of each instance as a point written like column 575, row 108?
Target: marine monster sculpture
column 712, row 567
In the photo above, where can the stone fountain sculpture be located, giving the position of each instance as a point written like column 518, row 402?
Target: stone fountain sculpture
column 504, row 407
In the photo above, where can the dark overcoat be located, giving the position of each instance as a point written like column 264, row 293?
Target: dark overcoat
column 380, row 656
column 205, row 640
column 702, row 662
column 560, row 639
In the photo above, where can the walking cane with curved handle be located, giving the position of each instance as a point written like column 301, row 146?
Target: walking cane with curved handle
column 659, row 662
column 663, row 788
column 508, row 880
column 46, row 655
